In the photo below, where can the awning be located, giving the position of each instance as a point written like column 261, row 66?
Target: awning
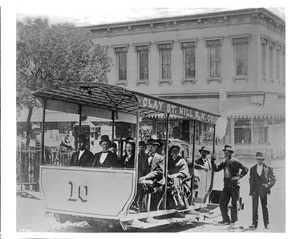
column 90, row 97
column 260, row 112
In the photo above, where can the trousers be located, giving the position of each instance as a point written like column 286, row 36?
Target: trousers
column 229, row 191
column 264, row 203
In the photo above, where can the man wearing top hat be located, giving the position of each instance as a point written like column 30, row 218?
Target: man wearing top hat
column 83, row 157
column 105, row 158
column 234, row 170
column 261, row 180
column 203, row 162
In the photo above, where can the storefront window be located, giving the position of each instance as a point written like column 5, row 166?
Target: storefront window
column 242, row 136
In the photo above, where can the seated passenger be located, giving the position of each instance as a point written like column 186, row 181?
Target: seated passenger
column 153, row 174
column 127, row 160
column 83, row 157
column 142, row 159
column 105, row 158
column 178, row 173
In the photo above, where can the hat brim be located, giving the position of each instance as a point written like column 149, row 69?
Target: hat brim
column 259, row 157
column 200, row 150
column 228, row 150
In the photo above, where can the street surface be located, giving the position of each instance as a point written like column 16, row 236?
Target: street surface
column 31, row 215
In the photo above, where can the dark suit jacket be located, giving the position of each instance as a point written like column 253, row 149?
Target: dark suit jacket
column 236, row 168
column 110, row 160
column 128, row 164
column 267, row 177
column 86, row 159
column 155, row 171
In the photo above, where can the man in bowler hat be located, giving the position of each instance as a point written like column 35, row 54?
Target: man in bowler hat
column 234, row 170
column 83, row 157
column 203, row 162
column 261, row 180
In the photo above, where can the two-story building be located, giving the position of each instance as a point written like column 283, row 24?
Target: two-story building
column 231, row 62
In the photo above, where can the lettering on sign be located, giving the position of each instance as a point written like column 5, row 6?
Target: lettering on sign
column 80, row 192
column 176, row 110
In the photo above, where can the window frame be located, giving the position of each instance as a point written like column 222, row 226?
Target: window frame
column 188, row 45
column 118, row 51
column 139, row 49
column 165, row 47
column 211, row 43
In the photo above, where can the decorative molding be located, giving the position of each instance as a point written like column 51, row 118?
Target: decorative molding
column 271, row 44
column 239, row 39
column 186, row 80
column 162, row 81
column 211, row 79
column 141, row 82
column 164, row 45
column 213, row 41
column 121, row 49
column 188, row 43
column 122, row 83
column 240, row 78
column 142, row 47
column 264, row 40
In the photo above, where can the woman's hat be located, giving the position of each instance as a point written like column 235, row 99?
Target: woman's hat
column 175, row 145
column 259, row 155
column 204, row 148
column 104, row 138
column 228, row 148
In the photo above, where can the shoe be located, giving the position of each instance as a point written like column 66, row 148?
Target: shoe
column 224, row 222
column 253, row 226
column 267, row 226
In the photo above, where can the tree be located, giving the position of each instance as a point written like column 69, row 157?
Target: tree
column 48, row 55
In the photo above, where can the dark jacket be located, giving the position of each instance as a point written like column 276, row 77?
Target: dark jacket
column 155, row 170
column 143, row 167
column 267, row 177
column 86, row 159
column 110, row 160
column 236, row 168
column 128, row 164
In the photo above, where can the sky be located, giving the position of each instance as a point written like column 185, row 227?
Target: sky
column 102, row 12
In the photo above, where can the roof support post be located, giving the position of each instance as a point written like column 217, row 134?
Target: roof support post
column 80, row 114
column 113, row 125
column 43, row 131
column 193, row 160
column 166, row 158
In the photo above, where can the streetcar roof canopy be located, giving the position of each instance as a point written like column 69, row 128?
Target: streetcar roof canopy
column 90, row 97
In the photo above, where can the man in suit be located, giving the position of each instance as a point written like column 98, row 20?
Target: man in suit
column 153, row 172
column 83, row 157
column 234, row 170
column 105, row 158
column 203, row 162
column 261, row 180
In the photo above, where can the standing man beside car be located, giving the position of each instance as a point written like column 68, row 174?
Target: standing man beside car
column 261, row 180
column 234, row 170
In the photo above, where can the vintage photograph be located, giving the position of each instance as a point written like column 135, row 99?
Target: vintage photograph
column 151, row 120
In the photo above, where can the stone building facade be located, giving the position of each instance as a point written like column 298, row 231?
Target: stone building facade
column 231, row 62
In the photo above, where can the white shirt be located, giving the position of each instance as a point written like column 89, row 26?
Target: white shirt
column 80, row 153
column 259, row 169
column 103, row 157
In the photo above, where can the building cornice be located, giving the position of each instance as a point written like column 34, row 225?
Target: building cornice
column 245, row 16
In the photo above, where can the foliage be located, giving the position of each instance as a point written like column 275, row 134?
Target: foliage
column 51, row 54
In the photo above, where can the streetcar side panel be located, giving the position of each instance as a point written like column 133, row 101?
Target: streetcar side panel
column 91, row 192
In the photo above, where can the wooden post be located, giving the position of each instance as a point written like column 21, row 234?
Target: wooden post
column 166, row 159
column 43, row 131
column 113, row 125
column 193, row 161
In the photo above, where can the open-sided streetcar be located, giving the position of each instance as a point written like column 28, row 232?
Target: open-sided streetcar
column 104, row 195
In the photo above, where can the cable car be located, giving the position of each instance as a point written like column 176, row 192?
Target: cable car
column 104, row 195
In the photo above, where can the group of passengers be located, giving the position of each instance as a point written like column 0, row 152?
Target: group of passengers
column 151, row 178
